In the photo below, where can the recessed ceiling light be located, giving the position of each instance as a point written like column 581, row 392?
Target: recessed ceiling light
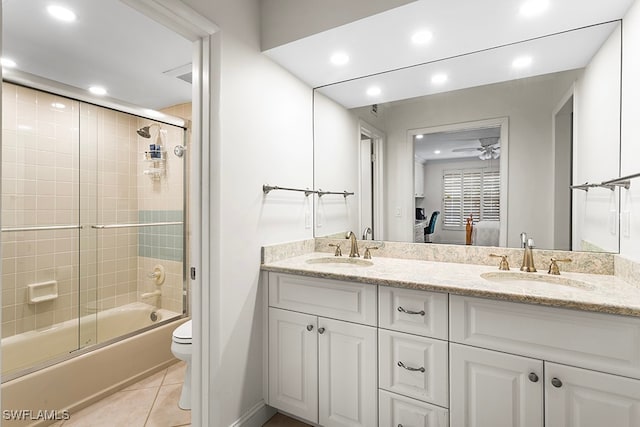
column 6, row 62
column 374, row 91
column 421, row 37
column 419, row 136
column 522, row 62
column 339, row 58
column 61, row 13
column 98, row 90
column 439, row 78
column 532, row 8
column 436, row 152
column 58, row 105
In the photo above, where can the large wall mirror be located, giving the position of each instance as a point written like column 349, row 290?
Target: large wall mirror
column 494, row 139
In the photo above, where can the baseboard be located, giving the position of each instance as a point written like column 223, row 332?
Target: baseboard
column 256, row 416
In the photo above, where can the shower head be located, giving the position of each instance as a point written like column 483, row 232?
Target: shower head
column 144, row 131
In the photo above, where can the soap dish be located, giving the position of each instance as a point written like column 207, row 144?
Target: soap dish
column 43, row 291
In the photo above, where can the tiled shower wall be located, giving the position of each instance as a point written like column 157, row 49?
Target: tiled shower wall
column 40, row 176
column 47, row 175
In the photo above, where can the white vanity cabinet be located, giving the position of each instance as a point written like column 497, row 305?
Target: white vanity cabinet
column 322, row 369
column 501, row 384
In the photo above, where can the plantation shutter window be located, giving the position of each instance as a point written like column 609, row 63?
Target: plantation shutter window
column 470, row 192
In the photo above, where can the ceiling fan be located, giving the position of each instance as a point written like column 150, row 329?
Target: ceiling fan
column 489, row 148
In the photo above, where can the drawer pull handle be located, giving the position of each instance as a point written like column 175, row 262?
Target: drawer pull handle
column 408, row 368
column 533, row 377
column 309, row 328
column 556, row 383
column 402, row 310
column 321, row 330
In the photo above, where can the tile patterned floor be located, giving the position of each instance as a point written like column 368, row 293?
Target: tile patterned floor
column 151, row 402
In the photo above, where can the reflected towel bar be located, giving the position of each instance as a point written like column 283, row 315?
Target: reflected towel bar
column 43, row 228
column 267, row 188
column 148, row 224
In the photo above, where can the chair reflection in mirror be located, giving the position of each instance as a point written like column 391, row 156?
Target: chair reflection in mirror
column 431, row 227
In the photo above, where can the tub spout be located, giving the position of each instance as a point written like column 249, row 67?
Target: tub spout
column 151, row 294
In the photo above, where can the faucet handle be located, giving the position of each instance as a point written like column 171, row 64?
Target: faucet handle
column 367, row 251
column 338, row 251
column 504, row 262
column 553, row 267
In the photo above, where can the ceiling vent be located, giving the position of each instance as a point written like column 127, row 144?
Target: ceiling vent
column 184, row 73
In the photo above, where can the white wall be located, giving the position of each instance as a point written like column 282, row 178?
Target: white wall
column 529, row 104
column 596, row 148
column 263, row 135
column 432, row 201
column 336, row 159
column 305, row 18
column 630, row 242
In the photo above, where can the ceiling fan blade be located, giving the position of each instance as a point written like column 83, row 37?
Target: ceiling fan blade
column 457, row 150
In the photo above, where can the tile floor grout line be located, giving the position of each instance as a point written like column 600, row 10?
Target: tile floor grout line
column 146, row 420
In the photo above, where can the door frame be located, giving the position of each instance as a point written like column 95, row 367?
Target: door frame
column 503, row 122
column 378, row 140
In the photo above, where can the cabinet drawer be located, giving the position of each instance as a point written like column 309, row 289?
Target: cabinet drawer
column 414, row 366
column 396, row 410
column 416, row 312
column 354, row 302
column 596, row 341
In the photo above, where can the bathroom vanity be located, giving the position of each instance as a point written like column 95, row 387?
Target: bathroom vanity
column 396, row 342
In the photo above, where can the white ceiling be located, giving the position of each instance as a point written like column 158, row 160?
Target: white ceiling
column 566, row 51
column 446, row 142
column 110, row 44
column 382, row 42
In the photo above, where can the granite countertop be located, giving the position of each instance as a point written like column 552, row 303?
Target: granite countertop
column 591, row 292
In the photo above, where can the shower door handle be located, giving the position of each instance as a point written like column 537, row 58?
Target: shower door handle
column 147, row 224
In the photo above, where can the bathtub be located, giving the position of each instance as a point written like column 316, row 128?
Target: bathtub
column 34, row 347
column 95, row 372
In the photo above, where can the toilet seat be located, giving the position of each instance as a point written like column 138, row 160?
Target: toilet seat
column 183, row 334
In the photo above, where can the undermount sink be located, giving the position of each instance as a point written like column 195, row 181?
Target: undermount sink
column 339, row 262
column 532, row 279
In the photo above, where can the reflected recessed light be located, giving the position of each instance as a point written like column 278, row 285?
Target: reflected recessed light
column 419, row 136
column 97, row 90
column 58, row 105
column 532, row 8
column 421, row 37
column 6, row 62
column 339, row 58
column 521, row 62
column 436, row 152
column 374, row 91
column 61, row 13
column 439, row 78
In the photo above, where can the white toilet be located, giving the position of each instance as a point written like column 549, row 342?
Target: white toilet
column 181, row 348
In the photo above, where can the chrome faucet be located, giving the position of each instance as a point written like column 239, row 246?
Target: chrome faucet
column 366, row 232
column 527, row 259
column 353, row 253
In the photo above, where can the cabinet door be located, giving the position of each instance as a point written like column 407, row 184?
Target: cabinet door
column 581, row 398
column 347, row 363
column 493, row 389
column 418, row 180
column 398, row 410
column 293, row 363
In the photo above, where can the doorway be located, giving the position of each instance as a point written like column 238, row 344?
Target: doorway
column 371, row 182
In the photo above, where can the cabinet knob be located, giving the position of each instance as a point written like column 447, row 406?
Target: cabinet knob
column 321, row 330
column 402, row 310
column 533, row 377
column 556, row 383
column 309, row 327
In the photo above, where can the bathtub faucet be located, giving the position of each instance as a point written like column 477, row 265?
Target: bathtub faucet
column 146, row 295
